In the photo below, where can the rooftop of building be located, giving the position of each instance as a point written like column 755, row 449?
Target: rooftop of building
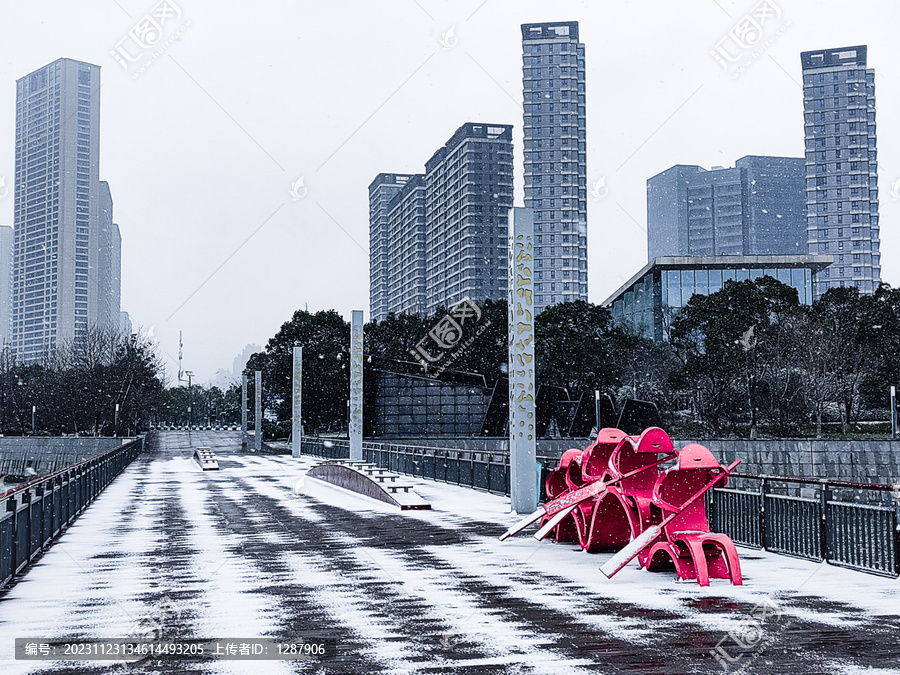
column 483, row 130
column 813, row 262
column 552, row 30
column 390, row 178
column 831, row 58
column 415, row 181
column 738, row 163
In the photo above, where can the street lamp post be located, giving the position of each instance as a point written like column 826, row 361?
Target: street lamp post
column 190, row 374
column 117, row 421
column 33, row 419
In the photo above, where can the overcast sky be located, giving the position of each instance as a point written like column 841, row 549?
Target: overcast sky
column 202, row 148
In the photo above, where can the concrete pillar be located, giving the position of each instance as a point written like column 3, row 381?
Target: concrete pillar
column 296, row 390
column 522, row 441
column 356, row 384
column 257, row 426
column 244, row 410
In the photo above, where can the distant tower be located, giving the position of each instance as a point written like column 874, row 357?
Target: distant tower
column 381, row 191
column 109, row 264
column 56, row 206
column 842, row 166
column 468, row 195
column 555, row 159
column 756, row 208
column 6, row 258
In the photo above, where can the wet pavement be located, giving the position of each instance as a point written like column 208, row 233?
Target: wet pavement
column 254, row 551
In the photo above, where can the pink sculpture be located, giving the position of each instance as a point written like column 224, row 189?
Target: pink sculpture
column 612, row 495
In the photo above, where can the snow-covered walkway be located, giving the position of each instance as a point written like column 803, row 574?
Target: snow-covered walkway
column 255, row 551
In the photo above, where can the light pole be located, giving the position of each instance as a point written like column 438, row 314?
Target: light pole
column 33, row 419
column 117, row 421
column 190, row 374
column 893, row 412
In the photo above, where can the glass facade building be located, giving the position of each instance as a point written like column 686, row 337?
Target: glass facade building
column 664, row 286
column 842, row 166
column 758, row 207
column 556, row 159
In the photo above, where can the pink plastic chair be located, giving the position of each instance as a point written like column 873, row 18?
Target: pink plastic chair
column 624, row 510
column 686, row 543
column 636, row 492
column 558, row 483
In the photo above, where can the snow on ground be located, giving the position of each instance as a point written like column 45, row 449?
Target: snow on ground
column 254, row 550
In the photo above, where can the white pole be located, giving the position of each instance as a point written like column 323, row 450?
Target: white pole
column 244, row 410
column 257, row 419
column 356, row 384
column 297, row 388
column 522, row 442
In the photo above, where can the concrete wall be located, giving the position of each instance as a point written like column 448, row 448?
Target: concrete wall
column 863, row 461
column 46, row 454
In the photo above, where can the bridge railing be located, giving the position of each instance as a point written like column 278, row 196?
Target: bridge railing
column 860, row 536
column 481, row 470
column 38, row 511
column 855, row 535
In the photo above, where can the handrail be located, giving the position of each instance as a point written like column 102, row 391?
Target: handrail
column 812, row 480
column 42, row 479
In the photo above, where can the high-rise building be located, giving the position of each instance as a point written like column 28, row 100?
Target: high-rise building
column 56, row 206
column 439, row 237
column 125, row 326
column 405, row 246
column 381, row 191
column 109, row 264
column 468, row 195
column 842, row 166
column 758, row 207
column 6, row 257
column 555, row 159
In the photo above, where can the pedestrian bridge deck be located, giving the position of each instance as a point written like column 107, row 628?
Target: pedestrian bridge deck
column 253, row 551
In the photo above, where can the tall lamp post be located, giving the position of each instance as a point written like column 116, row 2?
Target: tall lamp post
column 190, row 374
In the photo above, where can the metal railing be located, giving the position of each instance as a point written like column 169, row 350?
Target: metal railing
column 481, row 470
column 863, row 537
column 39, row 511
column 859, row 536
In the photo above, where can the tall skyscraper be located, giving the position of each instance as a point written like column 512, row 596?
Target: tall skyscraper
column 756, row 208
column 381, row 191
column 56, row 206
column 842, row 166
column 6, row 257
column 439, row 237
column 468, row 195
column 555, row 159
column 109, row 264
column 405, row 246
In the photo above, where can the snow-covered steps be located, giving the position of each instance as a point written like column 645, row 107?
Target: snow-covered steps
column 369, row 480
column 206, row 458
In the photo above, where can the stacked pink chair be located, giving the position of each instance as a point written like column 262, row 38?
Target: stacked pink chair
column 687, row 543
column 640, row 495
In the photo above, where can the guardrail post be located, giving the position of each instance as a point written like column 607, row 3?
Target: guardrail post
column 824, row 496
column 11, row 507
column 763, row 491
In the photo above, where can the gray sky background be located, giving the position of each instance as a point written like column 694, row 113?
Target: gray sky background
column 202, row 148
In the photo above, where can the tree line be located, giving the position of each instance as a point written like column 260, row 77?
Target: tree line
column 75, row 390
column 745, row 360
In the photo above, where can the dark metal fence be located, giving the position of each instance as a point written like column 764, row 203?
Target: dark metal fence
column 488, row 471
column 859, row 536
column 38, row 511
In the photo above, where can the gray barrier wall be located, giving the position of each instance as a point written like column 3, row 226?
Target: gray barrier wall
column 44, row 454
column 863, row 461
